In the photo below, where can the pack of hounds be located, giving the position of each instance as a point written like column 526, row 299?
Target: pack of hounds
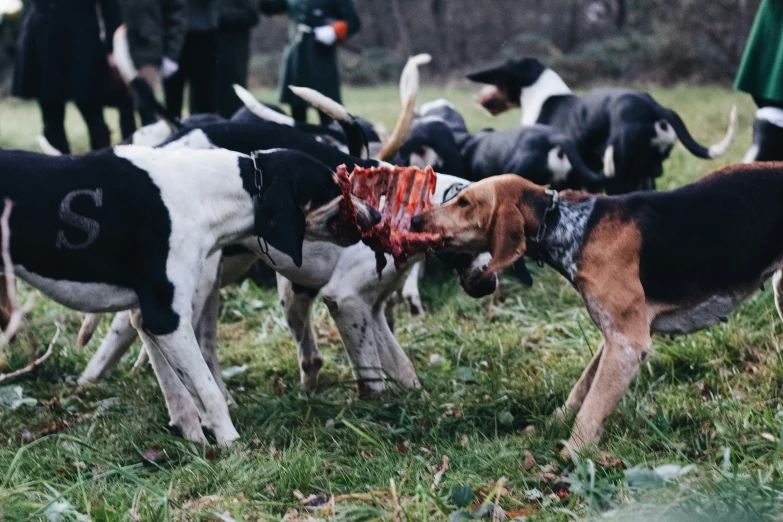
column 151, row 229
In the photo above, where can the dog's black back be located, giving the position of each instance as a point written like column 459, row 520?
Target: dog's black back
column 718, row 234
column 58, row 205
column 249, row 137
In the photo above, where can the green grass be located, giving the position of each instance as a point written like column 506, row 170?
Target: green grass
column 712, row 399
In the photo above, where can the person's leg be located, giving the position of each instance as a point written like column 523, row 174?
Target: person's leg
column 299, row 113
column 203, row 73
column 174, row 85
column 324, row 119
column 92, row 113
column 127, row 117
column 53, row 115
column 233, row 56
column 150, row 75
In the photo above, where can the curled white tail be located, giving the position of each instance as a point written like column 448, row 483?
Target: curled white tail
column 323, row 103
column 720, row 148
column 409, row 89
column 409, row 79
column 47, row 148
column 122, row 55
column 261, row 110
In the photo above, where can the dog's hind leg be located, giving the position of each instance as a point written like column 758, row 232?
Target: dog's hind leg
column 410, row 290
column 298, row 308
column 777, row 285
column 116, row 344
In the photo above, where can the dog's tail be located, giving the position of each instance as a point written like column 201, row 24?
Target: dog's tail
column 122, row 55
column 590, row 180
column 147, row 96
column 695, row 148
column 356, row 138
column 89, row 325
column 409, row 89
column 261, row 110
column 127, row 69
column 47, row 148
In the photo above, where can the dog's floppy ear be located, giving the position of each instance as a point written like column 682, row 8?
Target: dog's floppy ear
column 280, row 220
column 491, row 76
column 507, row 238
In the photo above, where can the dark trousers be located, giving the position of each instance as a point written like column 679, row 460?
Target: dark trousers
column 198, row 67
column 763, row 102
column 146, row 113
column 233, row 57
column 299, row 113
column 127, row 118
column 53, row 114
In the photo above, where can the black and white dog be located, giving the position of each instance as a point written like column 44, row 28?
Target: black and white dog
column 767, row 136
column 344, row 277
column 130, row 227
column 625, row 133
column 539, row 153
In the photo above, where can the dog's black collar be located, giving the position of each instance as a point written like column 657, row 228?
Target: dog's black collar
column 542, row 227
column 258, row 181
column 552, row 207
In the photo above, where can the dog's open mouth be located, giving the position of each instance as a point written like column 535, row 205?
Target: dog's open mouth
column 405, row 192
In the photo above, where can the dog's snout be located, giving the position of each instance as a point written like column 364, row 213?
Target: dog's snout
column 417, row 223
column 368, row 216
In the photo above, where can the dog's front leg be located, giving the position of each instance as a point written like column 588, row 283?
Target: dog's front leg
column 394, row 361
column 183, row 414
column 626, row 343
column 582, row 386
column 206, row 333
column 410, row 290
column 181, row 351
column 116, row 344
column 354, row 319
column 298, row 309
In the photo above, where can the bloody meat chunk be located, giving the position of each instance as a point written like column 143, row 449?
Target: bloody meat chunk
column 405, row 191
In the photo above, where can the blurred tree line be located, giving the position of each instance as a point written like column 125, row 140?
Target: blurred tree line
column 662, row 41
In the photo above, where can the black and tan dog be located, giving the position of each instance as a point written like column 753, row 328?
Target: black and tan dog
column 671, row 262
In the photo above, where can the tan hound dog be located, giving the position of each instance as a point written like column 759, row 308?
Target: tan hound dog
column 672, row 262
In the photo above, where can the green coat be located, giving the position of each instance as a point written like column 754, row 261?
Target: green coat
column 307, row 62
column 761, row 70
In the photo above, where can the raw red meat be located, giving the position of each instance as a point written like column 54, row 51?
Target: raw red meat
column 407, row 191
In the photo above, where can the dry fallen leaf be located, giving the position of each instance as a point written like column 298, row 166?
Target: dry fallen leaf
column 439, row 475
column 151, row 455
column 530, row 460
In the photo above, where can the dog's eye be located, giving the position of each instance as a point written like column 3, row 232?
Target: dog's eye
column 463, row 202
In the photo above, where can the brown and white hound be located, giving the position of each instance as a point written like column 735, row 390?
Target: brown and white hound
column 670, row 262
